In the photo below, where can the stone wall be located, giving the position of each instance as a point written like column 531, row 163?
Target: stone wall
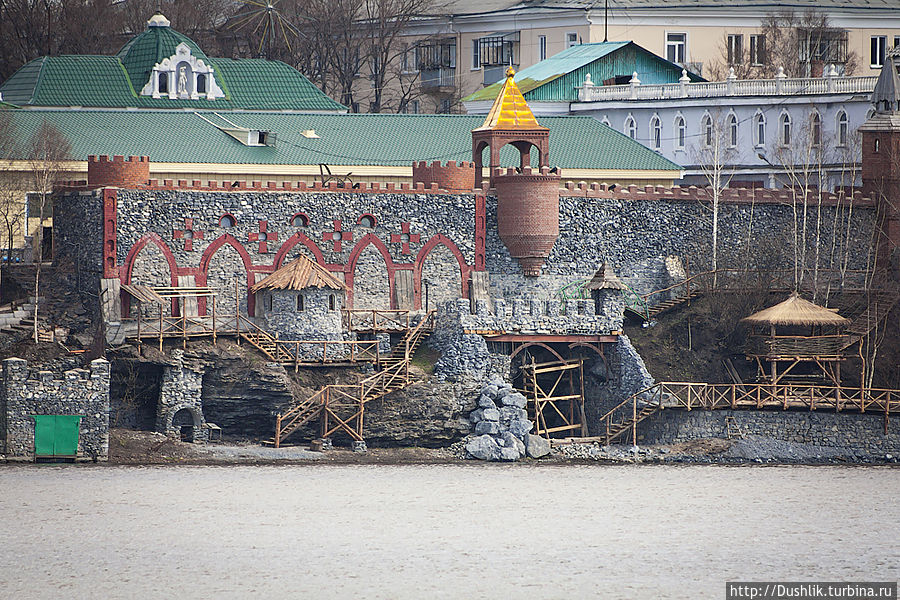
column 637, row 233
column 180, row 402
column 832, row 430
column 541, row 317
column 24, row 393
column 78, row 237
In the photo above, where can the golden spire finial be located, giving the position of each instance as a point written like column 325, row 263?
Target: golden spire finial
column 510, row 72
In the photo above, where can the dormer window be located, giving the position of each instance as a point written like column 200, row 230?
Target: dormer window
column 191, row 78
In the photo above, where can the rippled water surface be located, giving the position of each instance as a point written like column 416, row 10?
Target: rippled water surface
column 481, row 531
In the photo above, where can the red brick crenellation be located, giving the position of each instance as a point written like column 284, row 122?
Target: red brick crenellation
column 117, row 171
column 455, row 177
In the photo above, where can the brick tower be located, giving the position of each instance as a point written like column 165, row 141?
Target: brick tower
column 527, row 200
column 881, row 161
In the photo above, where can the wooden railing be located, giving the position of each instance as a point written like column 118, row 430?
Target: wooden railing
column 719, row 396
column 796, row 345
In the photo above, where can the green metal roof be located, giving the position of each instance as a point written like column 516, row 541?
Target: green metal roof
column 555, row 79
column 101, row 81
column 150, row 47
column 345, row 139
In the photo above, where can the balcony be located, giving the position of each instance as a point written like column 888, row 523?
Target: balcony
column 441, row 80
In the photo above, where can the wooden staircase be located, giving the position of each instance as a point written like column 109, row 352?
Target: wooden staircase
column 868, row 313
column 671, row 303
column 342, row 407
column 615, row 426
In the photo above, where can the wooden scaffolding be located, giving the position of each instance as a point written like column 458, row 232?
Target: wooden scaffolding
column 555, row 393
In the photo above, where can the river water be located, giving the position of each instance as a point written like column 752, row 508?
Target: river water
column 439, row 531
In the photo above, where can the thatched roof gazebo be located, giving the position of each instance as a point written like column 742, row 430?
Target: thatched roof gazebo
column 797, row 331
column 606, row 290
column 302, row 301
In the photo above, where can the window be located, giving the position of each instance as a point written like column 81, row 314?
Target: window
column 332, row 302
column 300, row 220
column 815, row 129
column 676, row 46
column 366, row 220
column 656, row 132
column 732, row 131
column 824, row 46
column 476, row 54
column 877, row 51
column 445, row 106
column 842, row 128
column 497, row 50
column 227, row 221
column 706, row 130
column 201, row 83
column 680, row 128
column 896, row 41
column 163, row 83
column 571, row 39
column 760, row 122
column 735, row 49
column 630, row 127
column 300, row 303
column 542, row 47
column 877, row 145
column 785, row 123
column 605, row 121
column 757, row 50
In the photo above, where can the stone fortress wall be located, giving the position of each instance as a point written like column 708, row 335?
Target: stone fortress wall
column 428, row 244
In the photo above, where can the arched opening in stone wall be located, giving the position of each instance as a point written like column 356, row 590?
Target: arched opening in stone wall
column 440, row 277
column 151, row 268
column 227, row 275
column 371, row 285
column 184, row 422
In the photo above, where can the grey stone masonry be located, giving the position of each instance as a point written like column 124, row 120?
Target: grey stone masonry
column 542, row 317
column 309, row 314
column 83, row 392
column 861, row 432
column 180, row 401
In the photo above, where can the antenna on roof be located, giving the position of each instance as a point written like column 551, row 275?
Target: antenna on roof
column 606, row 20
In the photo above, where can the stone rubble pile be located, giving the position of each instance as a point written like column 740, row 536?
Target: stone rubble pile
column 501, row 426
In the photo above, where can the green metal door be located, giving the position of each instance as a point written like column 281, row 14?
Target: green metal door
column 56, row 435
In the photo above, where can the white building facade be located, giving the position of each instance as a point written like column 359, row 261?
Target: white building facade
column 764, row 133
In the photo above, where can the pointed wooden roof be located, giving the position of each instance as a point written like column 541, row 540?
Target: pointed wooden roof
column 796, row 311
column 300, row 274
column 510, row 111
column 605, row 279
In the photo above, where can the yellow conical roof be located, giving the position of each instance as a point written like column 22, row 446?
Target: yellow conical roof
column 510, row 111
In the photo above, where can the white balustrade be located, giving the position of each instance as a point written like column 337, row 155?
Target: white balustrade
column 746, row 87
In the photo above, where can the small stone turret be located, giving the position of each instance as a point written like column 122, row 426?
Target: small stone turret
column 528, row 214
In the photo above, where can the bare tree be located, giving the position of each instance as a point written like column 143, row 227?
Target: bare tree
column 714, row 152
column 48, row 148
column 802, row 43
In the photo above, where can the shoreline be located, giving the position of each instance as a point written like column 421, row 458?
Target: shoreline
column 141, row 448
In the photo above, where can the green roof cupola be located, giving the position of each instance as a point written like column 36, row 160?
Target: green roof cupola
column 162, row 63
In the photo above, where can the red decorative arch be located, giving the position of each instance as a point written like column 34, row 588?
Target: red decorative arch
column 245, row 258
column 303, row 217
column 293, row 241
column 369, row 238
column 434, row 242
column 539, row 344
column 136, row 249
column 131, row 257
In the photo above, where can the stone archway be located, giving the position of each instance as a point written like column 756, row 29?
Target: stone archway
column 184, row 422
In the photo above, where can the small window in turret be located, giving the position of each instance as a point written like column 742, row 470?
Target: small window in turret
column 201, row 84
column 299, row 303
column 164, row 83
column 332, row 302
